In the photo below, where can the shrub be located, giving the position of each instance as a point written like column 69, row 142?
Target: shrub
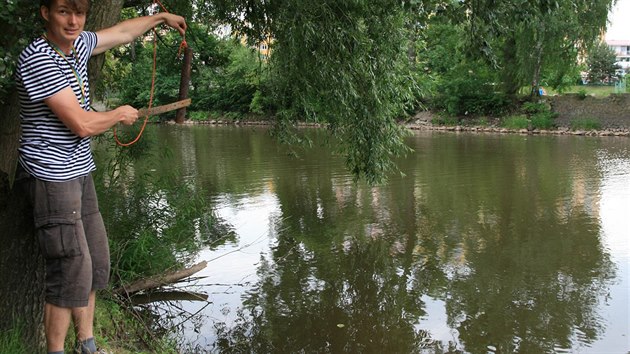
column 534, row 107
column 470, row 89
column 543, row 120
column 582, row 94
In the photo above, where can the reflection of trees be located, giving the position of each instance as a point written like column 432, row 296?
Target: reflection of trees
column 155, row 223
column 495, row 227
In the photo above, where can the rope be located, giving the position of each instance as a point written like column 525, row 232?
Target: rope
column 182, row 47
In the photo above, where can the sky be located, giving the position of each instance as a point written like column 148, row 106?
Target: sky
column 619, row 26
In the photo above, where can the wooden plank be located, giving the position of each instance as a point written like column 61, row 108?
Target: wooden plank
column 164, row 108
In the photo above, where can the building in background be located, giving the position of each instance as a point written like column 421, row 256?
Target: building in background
column 622, row 51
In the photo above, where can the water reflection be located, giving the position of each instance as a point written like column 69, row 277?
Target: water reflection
column 489, row 244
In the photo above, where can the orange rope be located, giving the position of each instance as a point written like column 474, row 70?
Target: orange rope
column 182, row 46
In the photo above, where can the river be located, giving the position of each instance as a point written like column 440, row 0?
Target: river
column 488, row 243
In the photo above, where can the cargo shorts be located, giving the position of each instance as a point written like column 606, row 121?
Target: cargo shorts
column 72, row 239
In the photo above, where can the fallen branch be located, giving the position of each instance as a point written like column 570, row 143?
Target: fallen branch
column 158, row 281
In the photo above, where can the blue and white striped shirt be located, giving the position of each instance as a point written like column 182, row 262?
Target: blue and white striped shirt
column 48, row 149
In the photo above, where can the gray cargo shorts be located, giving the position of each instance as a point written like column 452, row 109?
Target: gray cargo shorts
column 72, row 239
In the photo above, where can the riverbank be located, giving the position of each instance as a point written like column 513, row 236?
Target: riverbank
column 605, row 116
column 423, row 121
column 610, row 125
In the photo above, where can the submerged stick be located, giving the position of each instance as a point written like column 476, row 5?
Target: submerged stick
column 141, row 299
column 161, row 280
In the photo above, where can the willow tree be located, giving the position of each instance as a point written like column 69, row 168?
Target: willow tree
column 529, row 39
column 342, row 63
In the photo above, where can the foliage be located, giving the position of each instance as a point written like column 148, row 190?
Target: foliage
column 19, row 24
column 534, row 107
column 122, row 329
column 469, row 88
column 136, row 86
column 582, row 94
column 225, row 75
column 341, row 63
column 601, row 63
column 113, row 75
column 516, row 122
column 540, row 115
column 198, row 115
column 153, row 222
column 543, row 120
column 588, row 123
column 232, row 87
column 528, row 39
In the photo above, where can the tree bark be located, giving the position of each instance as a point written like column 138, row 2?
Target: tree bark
column 184, row 84
column 103, row 14
column 21, row 264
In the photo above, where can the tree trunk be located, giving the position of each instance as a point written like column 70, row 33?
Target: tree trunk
column 184, row 84
column 102, row 14
column 21, row 265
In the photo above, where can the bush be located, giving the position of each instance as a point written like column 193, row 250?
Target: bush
column 470, row 89
column 582, row 94
column 534, row 107
column 543, row 120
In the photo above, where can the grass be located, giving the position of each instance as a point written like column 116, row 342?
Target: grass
column 588, row 90
column 445, row 120
column 11, row 342
column 116, row 330
column 585, row 124
column 516, row 122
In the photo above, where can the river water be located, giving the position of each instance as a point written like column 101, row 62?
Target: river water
column 488, row 243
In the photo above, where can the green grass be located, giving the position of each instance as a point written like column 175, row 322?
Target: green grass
column 445, row 120
column 585, row 124
column 198, row 116
column 515, row 122
column 597, row 91
column 11, row 343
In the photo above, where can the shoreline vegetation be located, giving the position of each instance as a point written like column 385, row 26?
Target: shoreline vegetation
column 596, row 112
column 421, row 124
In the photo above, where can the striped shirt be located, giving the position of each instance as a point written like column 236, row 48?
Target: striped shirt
column 48, row 149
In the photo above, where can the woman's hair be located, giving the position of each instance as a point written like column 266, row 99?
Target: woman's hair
column 76, row 5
